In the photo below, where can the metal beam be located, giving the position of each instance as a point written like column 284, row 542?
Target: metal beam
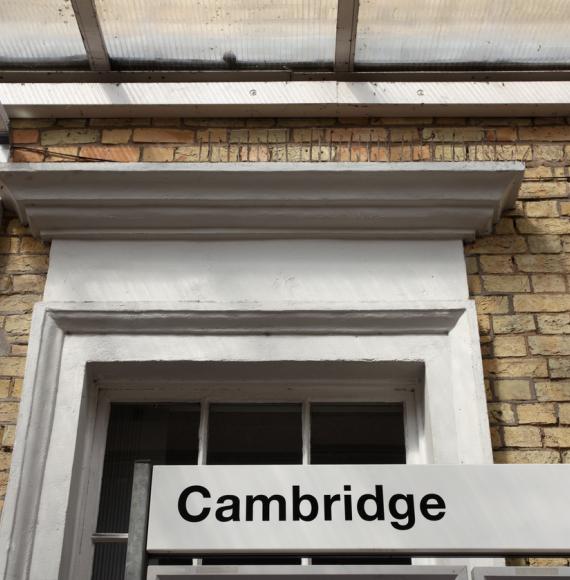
column 208, row 76
column 86, row 16
column 346, row 24
column 287, row 99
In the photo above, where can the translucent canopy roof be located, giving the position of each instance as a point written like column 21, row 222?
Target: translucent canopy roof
column 325, row 35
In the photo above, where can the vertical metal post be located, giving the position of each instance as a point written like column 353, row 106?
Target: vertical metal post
column 135, row 567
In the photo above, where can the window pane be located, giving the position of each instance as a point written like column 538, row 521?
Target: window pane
column 165, row 434
column 109, row 561
column 254, row 434
column 357, row 433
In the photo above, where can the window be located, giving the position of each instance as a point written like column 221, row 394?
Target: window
column 225, row 433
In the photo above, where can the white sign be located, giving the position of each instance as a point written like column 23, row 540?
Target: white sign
column 351, row 509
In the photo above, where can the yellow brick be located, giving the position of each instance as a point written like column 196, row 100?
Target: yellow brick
column 471, row 264
column 505, row 226
column 542, row 189
column 545, row 244
column 559, row 367
column 553, row 390
column 18, row 303
column 543, row 263
column 5, row 460
column 17, row 388
column 500, row 152
column 25, row 156
column 543, row 456
column 12, row 366
column 497, row 264
column 116, row 136
column 554, row 133
column 406, row 134
column 8, row 436
column 549, row 345
column 554, row 323
column 32, row 246
column 453, row 152
column 501, row 134
column 516, row 367
column 264, row 135
column 29, row 283
column 8, row 412
column 69, row 136
column 501, row 414
column 458, row 134
column 557, row 436
column 543, row 562
column 492, row 304
column 497, row 245
column 158, row 154
column 522, row 436
column 24, row 136
column 484, row 323
column 119, row 153
column 565, row 414
column 540, row 172
column 4, row 388
column 191, row 153
column 512, row 390
column 543, row 413
column 474, row 284
column 355, row 134
column 62, row 154
column 547, row 208
column 155, row 135
column 496, row 440
column 506, row 283
column 548, row 152
column 548, row 283
column 504, row 346
column 18, row 325
column 542, row 303
column 513, row 324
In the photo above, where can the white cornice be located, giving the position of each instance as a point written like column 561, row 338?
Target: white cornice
column 417, row 200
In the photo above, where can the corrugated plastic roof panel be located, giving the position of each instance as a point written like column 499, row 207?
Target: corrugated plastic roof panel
column 416, row 33
column 218, row 34
column 39, row 34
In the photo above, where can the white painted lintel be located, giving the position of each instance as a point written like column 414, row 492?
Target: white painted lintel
column 213, row 201
column 287, row 99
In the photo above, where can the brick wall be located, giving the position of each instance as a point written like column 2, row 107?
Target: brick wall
column 518, row 276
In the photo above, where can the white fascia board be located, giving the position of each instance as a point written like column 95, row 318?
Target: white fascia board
column 209, row 201
column 286, row 99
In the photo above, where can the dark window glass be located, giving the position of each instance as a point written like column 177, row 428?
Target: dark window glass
column 254, row 434
column 164, row 434
column 357, row 433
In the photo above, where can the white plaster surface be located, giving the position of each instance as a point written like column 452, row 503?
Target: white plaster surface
column 273, row 274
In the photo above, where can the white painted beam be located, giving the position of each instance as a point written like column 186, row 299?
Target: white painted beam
column 264, row 99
